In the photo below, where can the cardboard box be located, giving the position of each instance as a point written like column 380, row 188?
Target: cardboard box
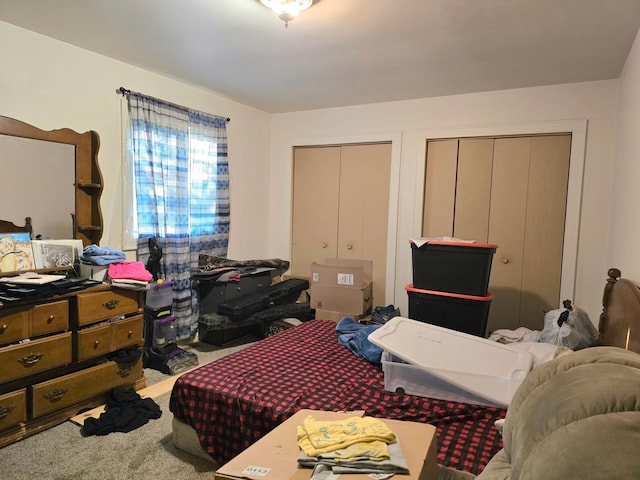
column 274, row 456
column 340, row 285
column 337, row 316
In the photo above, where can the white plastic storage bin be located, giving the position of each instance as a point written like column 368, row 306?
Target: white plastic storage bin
column 447, row 364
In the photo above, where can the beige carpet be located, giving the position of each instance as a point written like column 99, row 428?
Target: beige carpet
column 62, row 453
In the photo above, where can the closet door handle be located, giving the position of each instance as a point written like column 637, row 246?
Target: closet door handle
column 324, row 245
column 505, row 260
column 349, row 246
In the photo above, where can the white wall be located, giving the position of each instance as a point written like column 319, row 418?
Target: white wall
column 51, row 85
column 624, row 252
column 406, row 124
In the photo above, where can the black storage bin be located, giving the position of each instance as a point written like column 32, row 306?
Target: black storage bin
column 452, row 267
column 287, row 291
column 464, row 313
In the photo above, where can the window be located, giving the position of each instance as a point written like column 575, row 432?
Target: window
column 179, row 193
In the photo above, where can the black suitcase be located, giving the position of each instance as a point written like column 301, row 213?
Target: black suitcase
column 281, row 293
column 219, row 330
column 212, row 293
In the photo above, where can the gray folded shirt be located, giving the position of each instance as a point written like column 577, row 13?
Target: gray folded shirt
column 396, row 464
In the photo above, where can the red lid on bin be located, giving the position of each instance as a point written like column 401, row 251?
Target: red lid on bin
column 486, row 298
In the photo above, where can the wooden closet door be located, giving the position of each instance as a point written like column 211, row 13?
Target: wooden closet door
column 364, row 209
column 473, row 189
column 544, row 226
column 528, row 209
column 439, row 188
column 341, row 208
column 316, row 189
column 511, row 192
column 509, row 185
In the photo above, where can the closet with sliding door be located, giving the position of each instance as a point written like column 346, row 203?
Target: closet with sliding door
column 512, row 192
column 341, row 207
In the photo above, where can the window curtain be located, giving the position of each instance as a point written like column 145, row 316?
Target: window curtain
column 181, row 170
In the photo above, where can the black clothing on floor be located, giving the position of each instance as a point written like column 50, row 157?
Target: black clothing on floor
column 125, row 410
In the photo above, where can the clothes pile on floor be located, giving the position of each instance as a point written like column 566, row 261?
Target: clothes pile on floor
column 125, row 411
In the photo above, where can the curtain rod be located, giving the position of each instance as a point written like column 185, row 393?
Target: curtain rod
column 123, row 91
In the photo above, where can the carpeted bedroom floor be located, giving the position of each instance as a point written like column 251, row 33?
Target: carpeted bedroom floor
column 62, row 453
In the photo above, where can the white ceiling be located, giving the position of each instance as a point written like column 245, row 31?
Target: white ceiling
column 347, row 52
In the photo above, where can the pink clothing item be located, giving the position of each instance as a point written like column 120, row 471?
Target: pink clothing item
column 129, row 270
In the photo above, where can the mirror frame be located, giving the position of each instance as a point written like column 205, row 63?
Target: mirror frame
column 87, row 225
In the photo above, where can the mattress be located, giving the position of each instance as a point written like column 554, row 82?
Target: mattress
column 234, row 401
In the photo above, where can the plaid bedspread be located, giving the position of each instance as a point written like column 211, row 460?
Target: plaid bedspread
column 234, row 401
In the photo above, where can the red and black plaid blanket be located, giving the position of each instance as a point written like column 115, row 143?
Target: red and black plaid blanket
column 234, row 401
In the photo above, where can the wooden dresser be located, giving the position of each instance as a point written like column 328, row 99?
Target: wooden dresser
column 57, row 356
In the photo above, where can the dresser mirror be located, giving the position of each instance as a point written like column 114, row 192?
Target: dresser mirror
column 52, row 177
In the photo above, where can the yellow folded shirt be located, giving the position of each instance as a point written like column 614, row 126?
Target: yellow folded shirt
column 316, row 437
column 376, row 451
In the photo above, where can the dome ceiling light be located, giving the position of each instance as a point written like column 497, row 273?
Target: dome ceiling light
column 287, row 9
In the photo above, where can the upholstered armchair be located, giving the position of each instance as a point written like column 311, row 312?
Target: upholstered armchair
column 575, row 417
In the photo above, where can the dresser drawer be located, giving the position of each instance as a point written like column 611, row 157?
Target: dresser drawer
column 50, row 318
column 94, row 341
column 14, row 326
column 128, row 332
column 105, row 338
column 79, row 386
column 35, row 356
column 13, row 408
column 98, row 306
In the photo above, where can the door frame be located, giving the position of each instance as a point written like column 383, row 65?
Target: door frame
column 578, row 130
column 395, row 138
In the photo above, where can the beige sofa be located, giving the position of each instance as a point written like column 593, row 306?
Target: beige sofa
column 575, row 417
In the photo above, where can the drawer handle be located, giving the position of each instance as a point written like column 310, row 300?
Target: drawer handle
column 3, row 328
column 55, row 394
column 5, row 410
column 31, row 359
column 125, row 372
column 130, row 334
column 51, row 318
column 111, row 304
column 96, row 343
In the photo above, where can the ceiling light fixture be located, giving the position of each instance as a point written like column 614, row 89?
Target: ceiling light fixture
column 287, row 9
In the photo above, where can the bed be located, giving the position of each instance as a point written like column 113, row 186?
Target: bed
column 223, row 407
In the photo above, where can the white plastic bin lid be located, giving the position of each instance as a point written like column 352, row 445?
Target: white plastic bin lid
column 482, row 367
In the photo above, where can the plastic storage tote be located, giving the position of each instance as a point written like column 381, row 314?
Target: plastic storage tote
column 464, row 313
column 431, row 361
column 454, row 267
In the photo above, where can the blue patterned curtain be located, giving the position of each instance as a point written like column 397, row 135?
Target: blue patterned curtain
column 181, row 170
